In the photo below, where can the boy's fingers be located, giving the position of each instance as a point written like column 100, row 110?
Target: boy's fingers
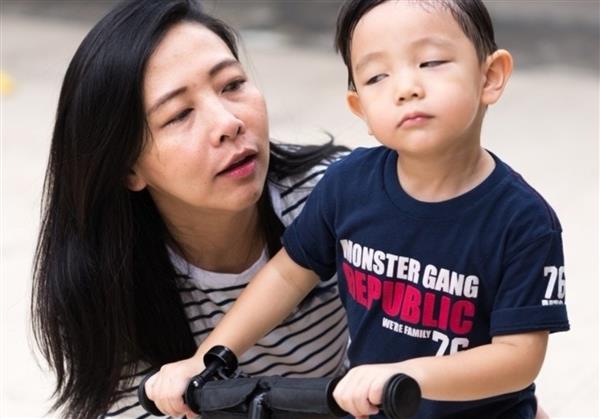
column 361, row 404
column 149, row 387
column 352, row 394
column 176, row 406
column 191, row 415
column 367, row 408
column 375, row 393
column 359, row 399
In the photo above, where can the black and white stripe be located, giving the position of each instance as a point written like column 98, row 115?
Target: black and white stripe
column 311, row 342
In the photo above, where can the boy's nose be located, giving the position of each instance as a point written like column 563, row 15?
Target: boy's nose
column 408, row 89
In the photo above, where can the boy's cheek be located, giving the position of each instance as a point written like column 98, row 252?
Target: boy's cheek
column 374, row 124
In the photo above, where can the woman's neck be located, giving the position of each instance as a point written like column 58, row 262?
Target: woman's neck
column 220, row 242
column 436, row 179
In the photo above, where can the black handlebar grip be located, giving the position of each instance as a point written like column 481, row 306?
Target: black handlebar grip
column 221, row 357
column 145, row 402
column 401, row 397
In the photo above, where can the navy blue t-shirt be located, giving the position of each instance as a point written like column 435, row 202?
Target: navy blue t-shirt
column 420, row 279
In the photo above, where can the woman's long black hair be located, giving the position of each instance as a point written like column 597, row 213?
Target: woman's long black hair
column 104, row 292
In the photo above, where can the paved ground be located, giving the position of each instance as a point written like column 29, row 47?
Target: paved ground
column 546, row 126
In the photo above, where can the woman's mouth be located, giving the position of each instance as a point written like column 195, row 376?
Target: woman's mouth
column 240, row 168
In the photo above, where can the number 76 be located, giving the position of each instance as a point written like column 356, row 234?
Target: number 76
column 556, row 275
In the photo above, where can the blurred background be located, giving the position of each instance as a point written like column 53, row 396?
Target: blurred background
column 546, row 127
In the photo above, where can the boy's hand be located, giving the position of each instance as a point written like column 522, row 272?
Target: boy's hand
column 360, row 391
column 166, row 387
column 510, row 363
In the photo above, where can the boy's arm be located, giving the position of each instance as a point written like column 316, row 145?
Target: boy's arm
column 269, row 298
column 510, row 363
column 266, row 301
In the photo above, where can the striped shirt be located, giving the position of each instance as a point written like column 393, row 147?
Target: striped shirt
column 311, row 342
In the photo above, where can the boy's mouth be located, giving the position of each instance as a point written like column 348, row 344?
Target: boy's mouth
column 414, row 118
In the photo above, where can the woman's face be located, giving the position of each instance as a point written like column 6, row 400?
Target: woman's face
column 207, row 145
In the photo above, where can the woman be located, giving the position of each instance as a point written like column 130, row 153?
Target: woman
column 163, row 196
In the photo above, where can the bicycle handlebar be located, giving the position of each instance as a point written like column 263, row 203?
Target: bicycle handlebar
column 401, row 397
column 401, row 394
column 219, row 360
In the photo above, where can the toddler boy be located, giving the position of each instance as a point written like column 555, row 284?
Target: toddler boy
column 450, row 265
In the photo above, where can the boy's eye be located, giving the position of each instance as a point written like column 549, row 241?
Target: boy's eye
column 376, row 79
column 234, row 85
column 433, row 63
column 180, row 117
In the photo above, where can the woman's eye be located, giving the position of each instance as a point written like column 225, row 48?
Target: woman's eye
column 234, row 85
column 433, row 63
column 180, row 117
column 376, row 79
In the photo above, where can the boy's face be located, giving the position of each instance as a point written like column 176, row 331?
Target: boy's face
column 418, row 79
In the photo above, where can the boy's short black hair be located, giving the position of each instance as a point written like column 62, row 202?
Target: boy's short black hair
column 471, row 15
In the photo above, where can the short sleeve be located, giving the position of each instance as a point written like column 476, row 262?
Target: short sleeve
column 310, row 239
column 531, row 294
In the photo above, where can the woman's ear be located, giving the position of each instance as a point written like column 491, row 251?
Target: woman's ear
column 498, row 68
column 353, row 101
column 134, row 181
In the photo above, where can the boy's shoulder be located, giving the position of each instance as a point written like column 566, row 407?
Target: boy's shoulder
column 359, row 160
column 529, row 197
column 524, row 208
column 354, row 171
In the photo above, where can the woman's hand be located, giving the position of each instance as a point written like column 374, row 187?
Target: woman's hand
column 166, row 387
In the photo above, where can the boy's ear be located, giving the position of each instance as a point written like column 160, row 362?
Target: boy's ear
column 134, row 181
column 353, row 102
column 498, row 68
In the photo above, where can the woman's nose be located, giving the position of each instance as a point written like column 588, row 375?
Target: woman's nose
column 226, row 125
